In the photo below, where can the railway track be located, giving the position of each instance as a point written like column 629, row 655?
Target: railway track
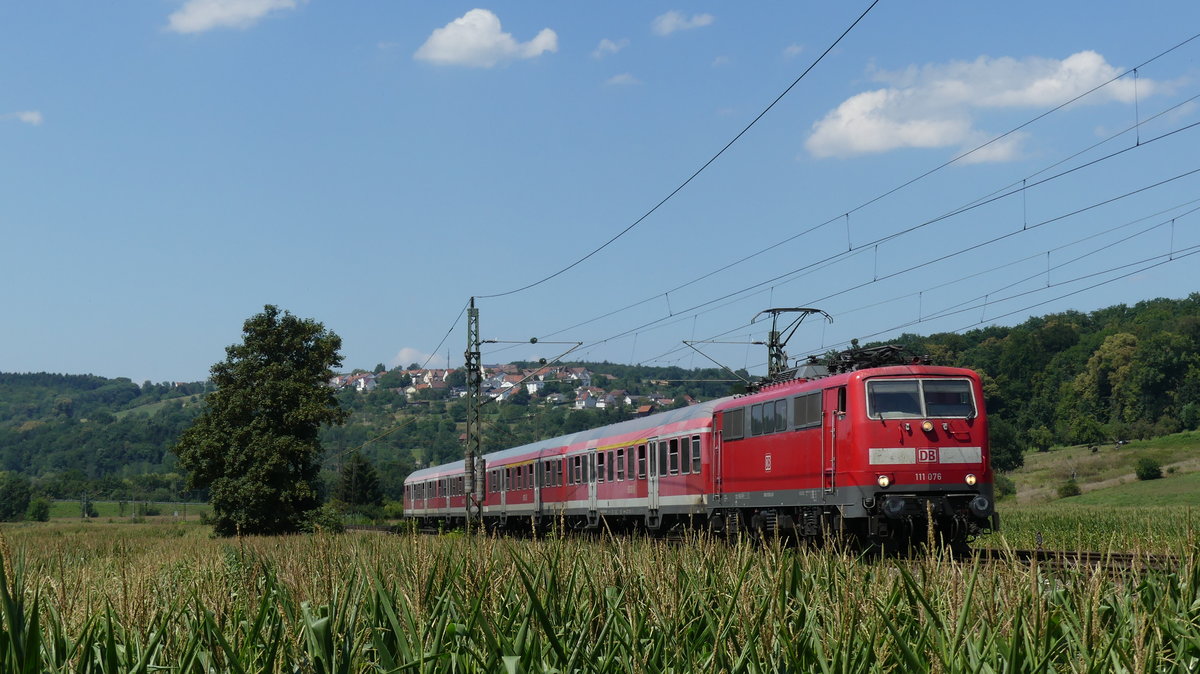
column 1059, row 559
column 1078, row 558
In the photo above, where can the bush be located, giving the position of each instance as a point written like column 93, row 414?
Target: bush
column 39, row 510
column 1068, row 489
column 326, row 518
column 1167, row 425
column 1004, row 486
column 394, row 510
column 1148, row 469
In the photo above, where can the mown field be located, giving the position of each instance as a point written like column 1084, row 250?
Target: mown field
column 168, row 597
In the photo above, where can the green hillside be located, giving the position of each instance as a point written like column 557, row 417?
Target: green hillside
column 1106, row 476
column 1172, row 490
column 1069, row 380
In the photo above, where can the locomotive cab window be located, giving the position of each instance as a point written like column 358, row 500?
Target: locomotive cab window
column 919, row 398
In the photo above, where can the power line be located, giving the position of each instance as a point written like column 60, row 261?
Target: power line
column 698, row 171
column 845, row 255
column 978, row 202
column 959, row 252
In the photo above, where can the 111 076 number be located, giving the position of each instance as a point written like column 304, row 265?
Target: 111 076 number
column 930, row 477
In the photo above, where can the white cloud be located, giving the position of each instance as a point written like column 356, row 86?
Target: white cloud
column 475, row 39
column 608, row 46
column 792, row 50
column 622, row 80
column 720, row 61
column 33, row 117
column 932, row 106
column 197, row 16
column 408, row 355
column 1007, row 148
column 675, row 20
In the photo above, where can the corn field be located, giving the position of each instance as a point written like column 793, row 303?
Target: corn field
column 122, row 598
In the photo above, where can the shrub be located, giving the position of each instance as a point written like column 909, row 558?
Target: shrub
column 394, row 510
column 1004, row 486
column 1148, row 469
column 1167, row 425
column 1068, row 489
column 326, row 518
column 39, row 510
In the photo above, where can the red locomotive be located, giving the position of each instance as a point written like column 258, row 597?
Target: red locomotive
column 877, row 453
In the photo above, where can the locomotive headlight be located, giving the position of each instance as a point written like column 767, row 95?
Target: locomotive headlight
column 971, row 479
column 884, row 481
column 927, row 426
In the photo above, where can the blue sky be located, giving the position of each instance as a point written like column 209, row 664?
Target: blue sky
column 170, row 166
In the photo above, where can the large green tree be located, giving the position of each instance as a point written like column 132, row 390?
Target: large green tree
column 255, row 446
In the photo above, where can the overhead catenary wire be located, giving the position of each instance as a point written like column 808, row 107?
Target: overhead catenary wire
column 410, row 420
column 996, row 195
column 1149, row 263
column 965, row 250
column 1140, row 266
column 1024, row 184
column 698, row 171
column 838, row 257
column 1020, row 260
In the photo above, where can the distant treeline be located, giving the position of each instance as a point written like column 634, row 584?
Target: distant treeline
column 1115, row 374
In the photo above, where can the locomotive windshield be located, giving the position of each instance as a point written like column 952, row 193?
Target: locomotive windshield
column 919, row 398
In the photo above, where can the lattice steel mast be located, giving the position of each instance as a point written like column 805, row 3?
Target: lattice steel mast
column 472, row 468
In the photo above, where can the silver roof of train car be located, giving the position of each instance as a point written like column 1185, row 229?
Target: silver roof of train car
column 697, row 411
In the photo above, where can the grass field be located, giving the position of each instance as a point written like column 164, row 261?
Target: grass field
column 150, row 409
column 168, row 597
column 1111, row 468
column 1179, row 490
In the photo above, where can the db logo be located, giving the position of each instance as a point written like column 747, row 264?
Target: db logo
column 927, row 455
column 767, row 463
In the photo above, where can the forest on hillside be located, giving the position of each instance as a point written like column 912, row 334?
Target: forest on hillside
column 1119, row 373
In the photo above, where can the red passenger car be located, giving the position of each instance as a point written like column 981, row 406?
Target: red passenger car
column 879, row 453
